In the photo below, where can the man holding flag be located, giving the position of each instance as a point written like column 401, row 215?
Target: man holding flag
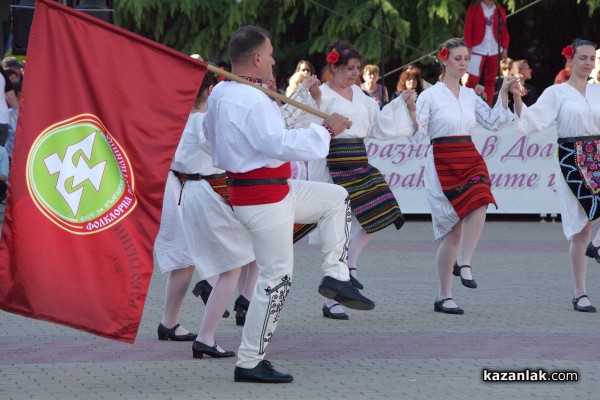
column 249, row 139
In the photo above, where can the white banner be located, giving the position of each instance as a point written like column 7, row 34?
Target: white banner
column 522, row 170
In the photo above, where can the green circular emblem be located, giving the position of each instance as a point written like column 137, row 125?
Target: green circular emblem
column 79, row 176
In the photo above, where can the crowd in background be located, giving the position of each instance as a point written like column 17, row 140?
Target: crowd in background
column 11, row 80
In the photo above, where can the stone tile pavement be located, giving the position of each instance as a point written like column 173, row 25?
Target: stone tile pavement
column 519, row 318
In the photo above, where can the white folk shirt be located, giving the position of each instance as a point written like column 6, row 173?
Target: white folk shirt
column 191, row 156
column 489, row 45
column 368, row 121
column 247, row 131
column 575, row 115
column 441, row 114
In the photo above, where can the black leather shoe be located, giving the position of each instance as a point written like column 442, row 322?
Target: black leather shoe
column 199, row 349
column 355, row 281
column 470, row 283
column 241, row 308
column 262, row 373
column 165, row 333
column 202, row 290
column 334, row 315
column 438, row 305
column 577, row 307
column 592, row 252
column 344, row 293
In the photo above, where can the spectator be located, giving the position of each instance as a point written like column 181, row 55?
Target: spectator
column 14, row 64
column 522, row 70
column 563, row 75
column 326, row 74
column 505, row 66
column 409, row 79
column 6, row 87
column 481, row 35
column 374, row 89
column 4, row 166
column 305, row 68
column 294, row 84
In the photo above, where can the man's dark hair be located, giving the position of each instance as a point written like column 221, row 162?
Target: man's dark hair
column 245, row 41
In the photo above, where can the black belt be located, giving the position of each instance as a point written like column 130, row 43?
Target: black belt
column 184, row 177
column 196, row 177
column 451, row 139
column 577, row 139
column 254, row 182
column 353, row 140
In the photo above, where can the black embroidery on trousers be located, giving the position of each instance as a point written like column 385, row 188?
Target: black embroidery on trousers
column 277, row 296
column 344, row 257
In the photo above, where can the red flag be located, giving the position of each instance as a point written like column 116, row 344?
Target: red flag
column 101, row 115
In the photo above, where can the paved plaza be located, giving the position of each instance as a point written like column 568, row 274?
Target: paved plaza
column 519, row 318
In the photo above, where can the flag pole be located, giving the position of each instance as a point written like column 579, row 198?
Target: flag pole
column 270, row 93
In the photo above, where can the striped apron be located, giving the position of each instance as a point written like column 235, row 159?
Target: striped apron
column 371, row 199
column 462, row 173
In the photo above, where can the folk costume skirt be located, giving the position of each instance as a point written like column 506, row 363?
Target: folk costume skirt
column 579, row 161
column 371, row 199
column 461, row 177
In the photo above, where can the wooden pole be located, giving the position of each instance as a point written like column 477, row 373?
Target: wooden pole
column 270, row 93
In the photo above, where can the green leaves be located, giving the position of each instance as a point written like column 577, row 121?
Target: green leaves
column 303, row 28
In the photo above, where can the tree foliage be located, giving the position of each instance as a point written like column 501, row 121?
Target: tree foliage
column 302, row 28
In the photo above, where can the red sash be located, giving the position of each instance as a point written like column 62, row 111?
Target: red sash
column 259, row 194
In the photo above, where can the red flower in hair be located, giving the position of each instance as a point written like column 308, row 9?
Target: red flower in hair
column 333, row 57
column 443, row 54
column 568, row 52
column 221, row 77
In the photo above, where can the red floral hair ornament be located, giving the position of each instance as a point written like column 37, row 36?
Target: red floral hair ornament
column 443, row 54
column 333, row 57
column 568, row 52
column 221, row 77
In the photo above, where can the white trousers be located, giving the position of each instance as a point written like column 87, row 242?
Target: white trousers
column 271, row 229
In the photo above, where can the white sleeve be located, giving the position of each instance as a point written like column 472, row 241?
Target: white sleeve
column 423, row 113
column 539, row 115
column 280, row 143
column 392, row 121
column 491, row 118
column 296, row 117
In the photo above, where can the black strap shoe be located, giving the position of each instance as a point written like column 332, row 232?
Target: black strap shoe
column 344, row 293
column 262, row 373
column 438, row 305
column 334, row 315
column 577, row 307
column 593, row 252
column 203, row 290
column 199, row 349
column 470, row 283
column 165, row 333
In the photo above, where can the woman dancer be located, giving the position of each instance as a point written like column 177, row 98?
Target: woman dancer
column 456, row 178
column 217, row 242
column 575, row 106
column 373, row 204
